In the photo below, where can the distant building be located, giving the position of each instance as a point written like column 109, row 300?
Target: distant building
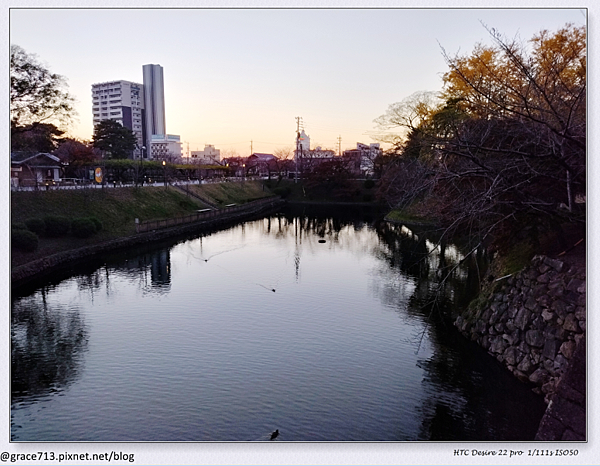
column 121, row 101
column 366, row 154
column 304, row 141
column 34, row 169
column 261, row 164
column 139, row 107
column 208, row 156
column 154, row 97
column 166, row 147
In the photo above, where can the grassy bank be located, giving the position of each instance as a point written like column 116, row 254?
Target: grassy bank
column 222, row 194
column 116, row 209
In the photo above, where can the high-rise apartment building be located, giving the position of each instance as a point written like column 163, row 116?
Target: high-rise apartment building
column 141, row 108
column 122, row 101
column 154, row 97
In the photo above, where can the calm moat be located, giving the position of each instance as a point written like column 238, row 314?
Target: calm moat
column 317, row 325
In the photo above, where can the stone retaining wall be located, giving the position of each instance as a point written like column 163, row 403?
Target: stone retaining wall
column 533, row 322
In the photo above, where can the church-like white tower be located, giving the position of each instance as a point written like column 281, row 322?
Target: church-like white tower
column 304, row 142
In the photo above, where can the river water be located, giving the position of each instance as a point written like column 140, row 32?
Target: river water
column 325, row 327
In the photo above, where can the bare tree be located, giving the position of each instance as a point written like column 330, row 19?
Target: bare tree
column 36, row 94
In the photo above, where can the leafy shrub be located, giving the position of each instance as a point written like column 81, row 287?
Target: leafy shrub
column 37, row 225
column 24, row 240
column 83, row 227
column 282, row 191
column 18, row 226
column 369, row 184
column 56, row 226
column 97, row 222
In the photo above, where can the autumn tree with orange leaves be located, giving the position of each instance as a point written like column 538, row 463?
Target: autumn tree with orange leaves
column 506, row 149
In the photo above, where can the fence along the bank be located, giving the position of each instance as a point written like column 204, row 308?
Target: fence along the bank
column 205, row 214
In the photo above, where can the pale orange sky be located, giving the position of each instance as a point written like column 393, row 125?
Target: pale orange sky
column 236, row 78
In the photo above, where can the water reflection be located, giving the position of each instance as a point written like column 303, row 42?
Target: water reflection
column 149, row 271
column 329, row 325
column 47, row 346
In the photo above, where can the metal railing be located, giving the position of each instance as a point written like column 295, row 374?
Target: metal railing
column 204, row 215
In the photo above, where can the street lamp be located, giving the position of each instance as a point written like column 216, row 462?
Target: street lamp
column 142, row 164
column 165, row 173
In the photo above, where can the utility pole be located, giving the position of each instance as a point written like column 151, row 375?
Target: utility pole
column 339, row 145
column 251, row 148
column 297, row 145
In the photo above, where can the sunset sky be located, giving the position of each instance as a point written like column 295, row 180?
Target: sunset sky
column 236, row 77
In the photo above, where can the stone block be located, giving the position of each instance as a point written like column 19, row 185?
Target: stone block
column 549, row 387
column 531, row 303
column 512, row 312
column 539, row 377
column 556, row 292
column 526, row 366
column 544, row 278
column 538, row 323
column 571, row 297
column 550, row 350
column 511, row 355
column 544, row 300
column 534, row 338
column 522, row 318
column 480, row 327
column 512, row 338
column 497, row 345
column 574, row 284
column 521, row 376
column 567, row 349
column 559, row 307
column 549, row 366
column 524, row 347
column 571, row 323
column 543, row 268
column 485, row 342
column 547, row 315
column 540, row 290
column 560, row 364
column 554, row 263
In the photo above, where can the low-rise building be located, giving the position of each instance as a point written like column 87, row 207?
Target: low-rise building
column 166, row 147
column 366, row 154
column 34, row 169
column 208, row 156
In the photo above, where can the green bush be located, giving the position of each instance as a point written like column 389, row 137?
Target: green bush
column 57, row 226
column 37, row 225
column 18, row 226
column 97, row 222
column 282, row 191
column 83, row 227
column 369, row 184
column 24, row 240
